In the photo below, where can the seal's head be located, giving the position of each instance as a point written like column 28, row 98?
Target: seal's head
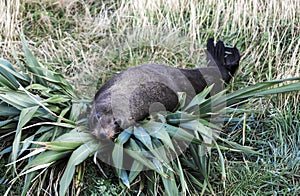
column 104, row 127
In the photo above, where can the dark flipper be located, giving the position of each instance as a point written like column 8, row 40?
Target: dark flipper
column 226, row 58
column 232, row 59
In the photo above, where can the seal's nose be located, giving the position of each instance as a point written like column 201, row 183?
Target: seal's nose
column 102, row 134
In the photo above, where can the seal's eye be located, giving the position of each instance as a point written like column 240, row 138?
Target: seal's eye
column 117, row 125
column 97, row 115
column 95, row 119
column 117, row 122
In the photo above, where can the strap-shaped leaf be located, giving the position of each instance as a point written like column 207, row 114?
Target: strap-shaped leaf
column 25, row 116
column 77, row 157
column 142, row 135
column 199, row 98
column 135, row 170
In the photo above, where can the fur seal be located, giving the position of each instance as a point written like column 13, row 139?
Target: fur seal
column 133, row 94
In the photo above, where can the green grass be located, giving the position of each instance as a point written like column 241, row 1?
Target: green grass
column 91, row 41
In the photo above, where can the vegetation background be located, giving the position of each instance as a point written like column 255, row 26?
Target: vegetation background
column 90, row 41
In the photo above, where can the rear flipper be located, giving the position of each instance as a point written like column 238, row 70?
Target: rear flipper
column 231, row 59
column 226, row 58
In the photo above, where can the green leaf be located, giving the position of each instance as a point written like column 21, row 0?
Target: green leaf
column 38, row 167
column 11, row 70
column 31, row 63
column 45, row 158
column 64, row 125
column 222, row 162
column 281, row 89
column 25, row 116
column 79, row 107
column 199, row 98
column 43, row 76
column 77, row 157
column 57, row 99
column 141, row 134
column 135, row 170
column 161, row 151
column 5, row 122
column 7, row 79
column 136, row 153
column 206, row 132
column 183, row 182
column 60, row 146
column 26, row 144
column 237, row 147
column 124, row 136
column 56, row 80
column 75, row 136
column 27, row 156
column 181, row 99
column 38, row 87
column 181, row 134
column 8, row 111
column 180, row 117
column 214, row 104
column 262, row 89
column 17, row 99
column 6, row 150
column 196, row 181
column 27, row 182
column 117, row 157
column 158, row 130
column 158, row 165
column 124, row 177
column 170, row 185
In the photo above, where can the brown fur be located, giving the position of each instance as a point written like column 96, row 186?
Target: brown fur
column 133, row 94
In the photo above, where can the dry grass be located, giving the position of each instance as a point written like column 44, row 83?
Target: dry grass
column 89, row 39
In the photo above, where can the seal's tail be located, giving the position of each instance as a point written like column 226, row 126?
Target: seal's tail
column 223, row 56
